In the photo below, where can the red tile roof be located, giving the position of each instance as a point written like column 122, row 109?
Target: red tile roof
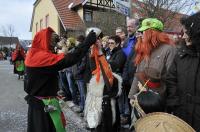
column 77, row 2
column 70, row 18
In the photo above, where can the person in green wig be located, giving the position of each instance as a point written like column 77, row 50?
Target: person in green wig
column 154, row 50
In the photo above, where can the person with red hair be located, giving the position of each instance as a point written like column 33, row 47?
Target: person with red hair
column 154, row 50
column 18, row 57
column 42, row 66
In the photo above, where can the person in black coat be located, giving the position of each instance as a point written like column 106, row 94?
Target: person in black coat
column 117, row 57
column 183, row 78
column 117, row 60
column 42, row 66
column 78, row 74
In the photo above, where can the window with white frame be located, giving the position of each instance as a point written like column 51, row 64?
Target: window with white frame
column 41, row 24
column 47, row 20
column 36, row 27
column 88, row 15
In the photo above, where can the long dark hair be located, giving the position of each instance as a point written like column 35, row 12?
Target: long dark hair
column 192, row 25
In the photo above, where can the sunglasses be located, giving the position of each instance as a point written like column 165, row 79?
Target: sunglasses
column 111, row 42
column 139, row 34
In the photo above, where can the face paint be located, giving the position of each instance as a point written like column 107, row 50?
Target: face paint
column 54, row 39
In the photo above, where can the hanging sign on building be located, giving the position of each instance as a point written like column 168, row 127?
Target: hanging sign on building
column 195, row 6
column 122, row 6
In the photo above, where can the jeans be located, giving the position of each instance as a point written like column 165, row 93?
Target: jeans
column 72, row 87
column 123, row 101
column 82, row 90
column 63, row 85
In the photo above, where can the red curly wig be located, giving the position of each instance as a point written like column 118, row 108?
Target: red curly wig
column 150, row 40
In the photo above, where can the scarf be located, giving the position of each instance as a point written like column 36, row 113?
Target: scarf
column 105, row 66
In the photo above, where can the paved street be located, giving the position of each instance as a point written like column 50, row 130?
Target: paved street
column 13, row 108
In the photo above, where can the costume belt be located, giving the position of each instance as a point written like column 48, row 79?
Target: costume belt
column 52, row 106
column 153, row 85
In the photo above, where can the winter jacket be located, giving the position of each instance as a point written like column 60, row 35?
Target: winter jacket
column 129, row 70
column 160, row 59
column 117, row 60
column 128, row 44
column 79, row 68
column 87, row 72
column 183, row 86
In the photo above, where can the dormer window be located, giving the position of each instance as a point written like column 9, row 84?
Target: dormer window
column 88, row 15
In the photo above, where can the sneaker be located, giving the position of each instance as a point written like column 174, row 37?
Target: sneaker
column 76, row 109
column 22, row 77
column 124, row 120
column 127, row 126
column 62, row 103
column 70, row 104
column 88, row 128
column 81, row 114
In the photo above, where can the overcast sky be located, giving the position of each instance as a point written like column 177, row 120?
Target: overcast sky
column 17, row 13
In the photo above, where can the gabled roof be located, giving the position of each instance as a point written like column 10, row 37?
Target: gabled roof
column 69, row 18
column 8, row 40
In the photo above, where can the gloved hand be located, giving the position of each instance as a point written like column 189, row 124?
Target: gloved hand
column 91, row 38
column 132, row 101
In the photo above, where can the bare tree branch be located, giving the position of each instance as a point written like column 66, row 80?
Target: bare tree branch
column 165, row 10
column 3, row 30
column 8, row 31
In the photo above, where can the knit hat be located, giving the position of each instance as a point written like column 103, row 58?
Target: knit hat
column 72, row 40
column 151, row 23
column 96, row 30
